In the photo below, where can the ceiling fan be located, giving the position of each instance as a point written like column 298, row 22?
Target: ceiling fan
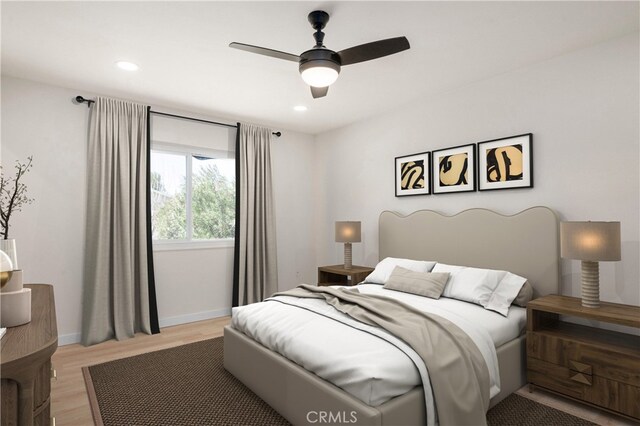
column 319, row 66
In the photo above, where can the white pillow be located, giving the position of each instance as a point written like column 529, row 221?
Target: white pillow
column 470, row 284
column 492, row 289
column 505, row 294
column 385, row 267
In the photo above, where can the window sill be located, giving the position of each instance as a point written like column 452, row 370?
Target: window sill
column 192, row 245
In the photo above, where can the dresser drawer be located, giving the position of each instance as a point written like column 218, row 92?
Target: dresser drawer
column 9, row 403
column 616, row 396
column 585, row 358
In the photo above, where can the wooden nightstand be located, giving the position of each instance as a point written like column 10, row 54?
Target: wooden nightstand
column 337, row 275
column 592, row 365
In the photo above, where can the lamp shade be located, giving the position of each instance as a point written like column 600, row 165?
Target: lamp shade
column 348, row 232
column 592, row 241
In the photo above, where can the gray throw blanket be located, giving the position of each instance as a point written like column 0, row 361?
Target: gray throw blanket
column 458, row 373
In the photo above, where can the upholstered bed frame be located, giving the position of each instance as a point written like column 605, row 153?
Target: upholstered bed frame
column 525, row 243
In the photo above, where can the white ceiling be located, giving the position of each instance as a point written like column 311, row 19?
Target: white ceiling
column 185, row 62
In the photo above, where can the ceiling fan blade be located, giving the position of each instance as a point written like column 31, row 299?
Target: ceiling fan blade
column 373, row 50
column 319, row 92
column 266, row 52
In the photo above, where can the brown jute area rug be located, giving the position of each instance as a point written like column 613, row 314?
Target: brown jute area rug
column 188, row 386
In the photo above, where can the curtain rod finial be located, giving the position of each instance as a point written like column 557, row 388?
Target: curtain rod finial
column 81, row 100
column 278, row 134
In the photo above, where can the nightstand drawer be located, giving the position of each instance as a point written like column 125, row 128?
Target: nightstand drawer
column 600, row 391
column 584, row 358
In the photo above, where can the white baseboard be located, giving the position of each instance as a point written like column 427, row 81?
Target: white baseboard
column 70, row 339
column 198, row 316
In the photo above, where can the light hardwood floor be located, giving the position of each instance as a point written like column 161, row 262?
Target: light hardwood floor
column 70, row 406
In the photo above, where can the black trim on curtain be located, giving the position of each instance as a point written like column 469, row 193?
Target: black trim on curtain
column 153, row 306
column 236, row 245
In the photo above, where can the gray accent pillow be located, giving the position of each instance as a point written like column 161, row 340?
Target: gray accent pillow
column 524, row 296
column 429, row 284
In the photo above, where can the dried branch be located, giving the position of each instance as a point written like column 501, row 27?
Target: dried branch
column 13, row 194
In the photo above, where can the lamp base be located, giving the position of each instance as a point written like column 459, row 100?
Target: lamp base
column 590, row 284
column 347, row 256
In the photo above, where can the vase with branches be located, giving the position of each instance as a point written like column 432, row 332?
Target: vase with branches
column 13, row 194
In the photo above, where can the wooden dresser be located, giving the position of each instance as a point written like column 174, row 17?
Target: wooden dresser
column 25, row 354
column 592, row 365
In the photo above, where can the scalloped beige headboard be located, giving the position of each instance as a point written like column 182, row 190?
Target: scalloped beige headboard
column 526, row 243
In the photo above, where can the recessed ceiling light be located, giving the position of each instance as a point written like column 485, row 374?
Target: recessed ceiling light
column 300, row 108
column 127, row 66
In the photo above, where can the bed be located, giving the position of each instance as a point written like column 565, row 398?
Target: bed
column 525, row 244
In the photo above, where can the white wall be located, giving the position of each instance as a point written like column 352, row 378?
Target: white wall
column 41, row 120
column 583, row 109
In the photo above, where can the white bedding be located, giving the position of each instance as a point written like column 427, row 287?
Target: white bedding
column 501, row 329
column 363, row 364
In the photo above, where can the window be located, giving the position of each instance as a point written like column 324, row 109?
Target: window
column 192, row 195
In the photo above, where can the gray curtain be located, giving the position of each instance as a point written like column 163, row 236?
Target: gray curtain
column 255, row 262
column 116, row 276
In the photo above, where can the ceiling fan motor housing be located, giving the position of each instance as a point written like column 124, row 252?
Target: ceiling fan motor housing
column 319, row 58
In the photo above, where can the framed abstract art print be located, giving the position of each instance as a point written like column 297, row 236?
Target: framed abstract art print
column 506, row 163
column 454, row 169
column 413, row 174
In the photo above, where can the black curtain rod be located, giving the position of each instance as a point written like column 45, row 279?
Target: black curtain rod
column 80, row 100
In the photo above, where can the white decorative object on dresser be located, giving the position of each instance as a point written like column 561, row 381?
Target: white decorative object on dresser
column 15, row 301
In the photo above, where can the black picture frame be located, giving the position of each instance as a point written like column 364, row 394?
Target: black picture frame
column 505, row 163
column 413, row 179
column 453, row 177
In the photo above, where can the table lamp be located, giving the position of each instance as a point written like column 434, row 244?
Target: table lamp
column 347, row 233
column 590, row 242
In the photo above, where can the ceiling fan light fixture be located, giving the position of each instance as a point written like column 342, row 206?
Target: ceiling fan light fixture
column 320, row 76
column 319, row 67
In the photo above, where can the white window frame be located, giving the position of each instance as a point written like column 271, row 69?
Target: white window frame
column 189, row 243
